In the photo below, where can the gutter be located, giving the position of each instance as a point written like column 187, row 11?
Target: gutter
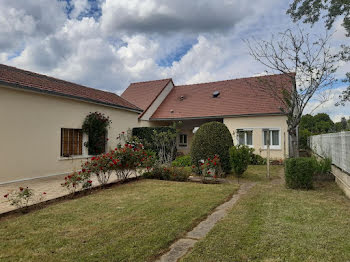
column 215, row 117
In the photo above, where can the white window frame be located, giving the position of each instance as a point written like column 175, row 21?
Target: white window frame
column 183, row 145
column 245, row 136
column 279, row 138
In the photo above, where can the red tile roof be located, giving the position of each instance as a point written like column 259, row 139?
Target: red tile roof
column 237, row 97
column 143, row 94
column 18, row 78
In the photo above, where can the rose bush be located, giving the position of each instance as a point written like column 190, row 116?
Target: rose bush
column 210, row 169
column 23, row 197
column 123, row 161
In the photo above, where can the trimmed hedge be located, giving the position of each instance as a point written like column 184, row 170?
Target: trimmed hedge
column 212, row 139
column 145, row 134
column 299, row 172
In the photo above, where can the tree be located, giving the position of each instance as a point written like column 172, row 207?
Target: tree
column 310, row 11
column 309, row 65
column 344, row 123
column 211, row 139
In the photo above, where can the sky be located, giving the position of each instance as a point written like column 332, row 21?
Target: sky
column 108, row 44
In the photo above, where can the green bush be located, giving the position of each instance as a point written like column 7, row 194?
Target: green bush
column 146, row 136
column 166, row 173
column 182, row 161
column 323, row 166
column 256, row 159
column 212, row 139
column 240, row 159
column 299, row 172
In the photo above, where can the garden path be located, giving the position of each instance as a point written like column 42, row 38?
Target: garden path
column 183, row 245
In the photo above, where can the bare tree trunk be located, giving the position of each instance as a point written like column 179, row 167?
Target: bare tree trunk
column 293, row 142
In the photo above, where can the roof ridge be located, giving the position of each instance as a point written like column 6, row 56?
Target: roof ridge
column 148, row 81
column 227, row 80
column 54, row 78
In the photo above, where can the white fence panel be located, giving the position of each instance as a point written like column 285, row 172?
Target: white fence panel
column 334, row 145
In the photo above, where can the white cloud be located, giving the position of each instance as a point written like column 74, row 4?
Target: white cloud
column 335, row 112
column 131, row 37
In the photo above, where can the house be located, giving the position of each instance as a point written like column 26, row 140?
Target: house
column 244, row 105
column 41, row 119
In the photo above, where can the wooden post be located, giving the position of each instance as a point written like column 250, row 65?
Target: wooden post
column 268, row 152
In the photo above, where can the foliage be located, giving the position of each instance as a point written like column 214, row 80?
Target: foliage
column 146, row 136
column 123, row 161
column 78, row 180
column 212, row 139
column 323, row 166
column 256, row 159
column 311, row 11
column 299, row 172
column 307, row 63
column 210, row 169
column 23, row 197
column 304, row 134
column 162, row 172
column 165, row 142
column 95, row 125
column 318, row 124
column 182, row 161
column 240, row 156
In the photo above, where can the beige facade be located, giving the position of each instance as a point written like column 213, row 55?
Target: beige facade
column 257, row 124
column 254, row 124
column 31, row 125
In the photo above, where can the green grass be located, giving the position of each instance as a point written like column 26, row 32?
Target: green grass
column 272, row 223
column 257, row 173
column 131, row 222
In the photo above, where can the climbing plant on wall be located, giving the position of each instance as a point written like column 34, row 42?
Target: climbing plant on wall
column 95, row 126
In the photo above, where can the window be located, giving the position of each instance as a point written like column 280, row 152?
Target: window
column 275, row 138
column 183, row 140
column 71, row 142
column 245, row 137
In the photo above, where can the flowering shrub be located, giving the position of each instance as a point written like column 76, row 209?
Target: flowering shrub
column 23, row 197
column 78, row 180
column 123, row 160
column 211, row 169
column 95, row 125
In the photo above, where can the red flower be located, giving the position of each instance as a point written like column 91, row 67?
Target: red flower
column 89, row 181
column 214, row 176
column 209, row 172
column 214, row 163
column 6, row 195
column 21, row 189
column 44, row 193
column 83, row 170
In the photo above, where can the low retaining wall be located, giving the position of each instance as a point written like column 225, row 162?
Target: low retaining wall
column 342, row 179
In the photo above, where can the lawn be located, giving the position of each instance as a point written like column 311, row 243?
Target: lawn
column 132, row 222
column 273, row 223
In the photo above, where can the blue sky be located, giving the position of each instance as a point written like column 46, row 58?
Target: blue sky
column 107, row 44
